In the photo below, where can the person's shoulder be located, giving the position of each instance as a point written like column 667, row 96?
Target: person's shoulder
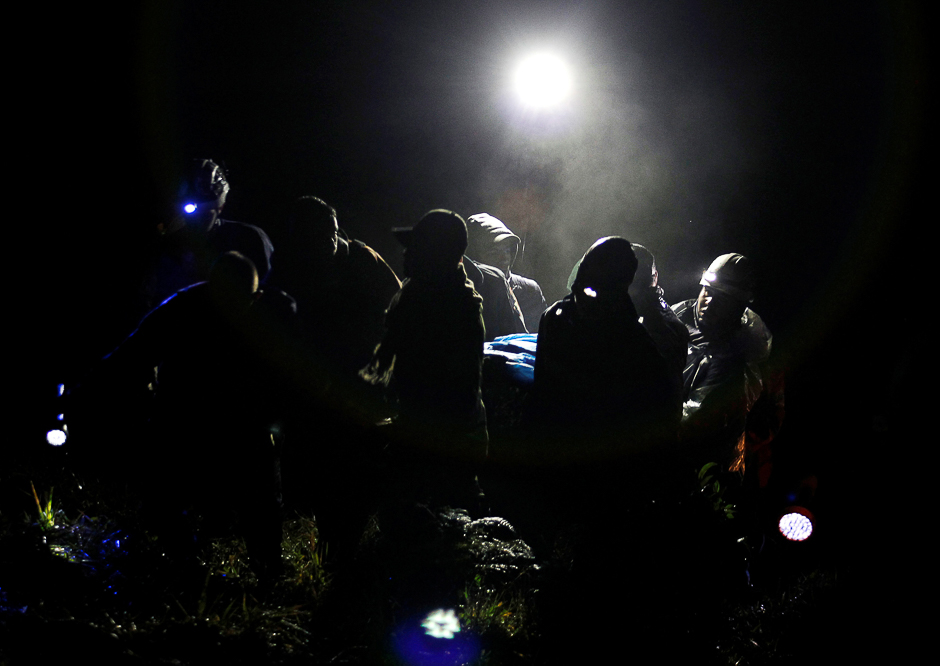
column 277, row 300
column 231, row 226
column 523, row 282
column 490, row 271
column 358, row 254
column 758, row 335
column 359, row 251
column 561, row 309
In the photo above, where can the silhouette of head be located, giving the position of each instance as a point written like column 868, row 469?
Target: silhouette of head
column 313, row 228
column 606, row 269
column 233, row 281
column 202, row 194
column 435, row 245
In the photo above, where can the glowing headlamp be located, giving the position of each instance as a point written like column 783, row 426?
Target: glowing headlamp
column 56, row 437
column 796, row 523
column 190, row 208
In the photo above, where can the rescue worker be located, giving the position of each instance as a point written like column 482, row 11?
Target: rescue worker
column 342, row 286
column 722, row 377
column 491, row 242
column 220, row 351
column 432, row 351
column 501, row 313
column 431, row 360
column 606, row 409
column 196, row 236
column 601, row 385
column 668, row 333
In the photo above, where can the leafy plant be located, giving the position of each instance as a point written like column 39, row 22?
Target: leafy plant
column 46, row 512
column 711, row 487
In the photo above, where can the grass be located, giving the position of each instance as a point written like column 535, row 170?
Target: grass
column 87, row 569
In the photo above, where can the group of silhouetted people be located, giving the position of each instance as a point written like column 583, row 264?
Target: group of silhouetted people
column 317, row 365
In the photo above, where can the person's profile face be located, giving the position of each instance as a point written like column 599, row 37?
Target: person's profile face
column 716, row 309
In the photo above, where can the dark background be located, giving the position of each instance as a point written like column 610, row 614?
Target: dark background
column 791, row 132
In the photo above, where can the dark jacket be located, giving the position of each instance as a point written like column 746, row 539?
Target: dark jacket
column 182, row 258
column 602, row 391
column 501, row 313
column 485, row 231
column 341, row 306
column 431, row 356
column 722, row 381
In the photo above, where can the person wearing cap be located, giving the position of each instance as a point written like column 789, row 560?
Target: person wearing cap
column 196, row 236
column 492, row 243
column 431, row 355
column 722, row 377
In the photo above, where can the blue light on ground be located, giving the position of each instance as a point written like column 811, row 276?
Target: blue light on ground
column 436, row 640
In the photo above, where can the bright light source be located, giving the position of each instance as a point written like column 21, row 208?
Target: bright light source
column 590, row 292
column 708, row 276
column 796, row 524
column 441, row 623
column 543, row 80
column 190, row 208
column 56, row 437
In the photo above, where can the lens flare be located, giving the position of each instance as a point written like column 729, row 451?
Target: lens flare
column 190, row 208
column 543, row 80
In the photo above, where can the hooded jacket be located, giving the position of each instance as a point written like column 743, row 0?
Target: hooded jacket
column 484, row 232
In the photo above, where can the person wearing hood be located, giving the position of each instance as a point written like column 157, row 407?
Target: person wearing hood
column 491, row 242
column 668, row 333
column 723, row 376
column 602, row 390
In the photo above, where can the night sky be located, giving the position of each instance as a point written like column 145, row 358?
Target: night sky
column 790, row 132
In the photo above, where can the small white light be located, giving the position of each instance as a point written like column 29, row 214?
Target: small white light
column 795, row 525
column 709, row 276
column 61, row 389
column 441, row 623
column 190, row 208
column 590, row 292
column 60, row 417
column 56, row 437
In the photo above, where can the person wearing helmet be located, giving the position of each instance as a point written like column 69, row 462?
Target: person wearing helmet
column 492, row 243
column 722, row 377
column 196, row 236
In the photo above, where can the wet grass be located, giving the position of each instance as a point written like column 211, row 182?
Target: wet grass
column 81, row 573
